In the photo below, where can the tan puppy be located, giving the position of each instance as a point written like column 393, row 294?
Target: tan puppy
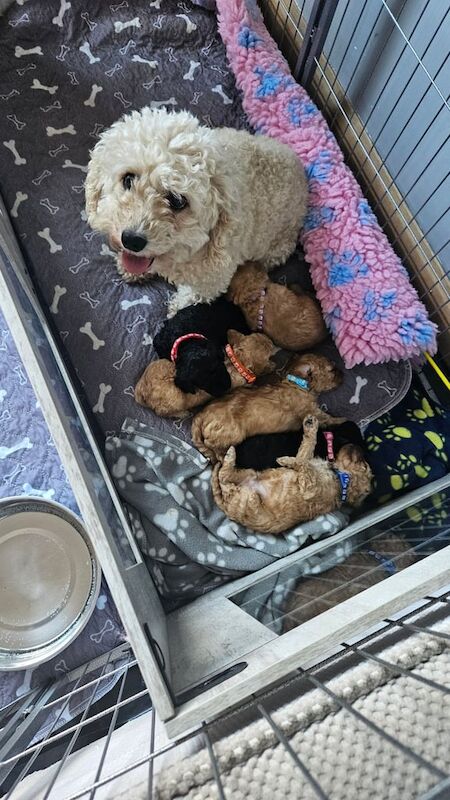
column 292, row 320
column 274, row 500
column 360, row 570
column 156, row 387
column 266, row 409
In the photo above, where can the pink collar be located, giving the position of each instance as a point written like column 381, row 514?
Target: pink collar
column 262, row 301
column 329, row 440
column 177, row 342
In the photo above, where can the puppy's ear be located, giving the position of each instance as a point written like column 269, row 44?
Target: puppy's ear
column 234, row 337
column 305, row 369
column 93, row 186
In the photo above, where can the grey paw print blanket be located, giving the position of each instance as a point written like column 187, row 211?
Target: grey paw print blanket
column 190, row 545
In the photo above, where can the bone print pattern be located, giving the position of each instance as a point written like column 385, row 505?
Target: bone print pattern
column 108, row 62
column 97, row 70
column 30, row 466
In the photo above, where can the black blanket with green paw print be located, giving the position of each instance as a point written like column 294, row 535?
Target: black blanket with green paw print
column 409, row 446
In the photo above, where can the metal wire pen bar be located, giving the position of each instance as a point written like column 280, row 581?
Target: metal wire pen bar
column 373, row 138
column 421, row 619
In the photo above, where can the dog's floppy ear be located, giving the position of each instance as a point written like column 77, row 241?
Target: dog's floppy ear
column 305, row 369
column 217, row 254
column 93, row 186
column 234, row 337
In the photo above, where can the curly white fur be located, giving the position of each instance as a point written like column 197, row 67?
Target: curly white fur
column 246, row 196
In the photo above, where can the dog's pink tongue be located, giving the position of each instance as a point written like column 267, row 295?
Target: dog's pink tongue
column 137, row 265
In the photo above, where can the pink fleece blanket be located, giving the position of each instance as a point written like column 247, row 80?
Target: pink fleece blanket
column 371, row 309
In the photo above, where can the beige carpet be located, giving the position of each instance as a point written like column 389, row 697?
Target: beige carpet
column 349, row 761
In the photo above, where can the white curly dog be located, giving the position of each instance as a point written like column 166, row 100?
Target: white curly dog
column 192, row 203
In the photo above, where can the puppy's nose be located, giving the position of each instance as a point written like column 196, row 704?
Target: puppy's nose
column 133, row 241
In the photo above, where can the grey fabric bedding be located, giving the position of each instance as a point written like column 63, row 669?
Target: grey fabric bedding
column 70, row 55
column 191, row 546
column 65, row 77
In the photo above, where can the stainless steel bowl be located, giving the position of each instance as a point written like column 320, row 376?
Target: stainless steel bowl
column 49, row 580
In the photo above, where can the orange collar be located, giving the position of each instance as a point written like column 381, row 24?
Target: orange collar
column 247, row 374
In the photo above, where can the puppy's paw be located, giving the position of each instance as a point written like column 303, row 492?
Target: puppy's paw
column 230, row 457
column 310, row 424
column 287, row 461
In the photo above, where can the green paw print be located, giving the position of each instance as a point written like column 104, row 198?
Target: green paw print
column 439, row 443
column 430, row 516
column 400, row 477
column 384, row 499
column 373, row 442
column 399, row 482
column 423, row 413
column 397, row 433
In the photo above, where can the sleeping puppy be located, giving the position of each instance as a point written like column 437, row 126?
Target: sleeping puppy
column 194, row 339
column 274, row 500
column 264, row 450
column 292, row 319
column 266, row 409
column 250, row 356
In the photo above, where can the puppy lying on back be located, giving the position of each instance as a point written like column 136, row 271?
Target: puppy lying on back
column 266, row 409
column 274, row 500
column 264, row 450
column 292, row 320
column 156, row 388
column 194, row 340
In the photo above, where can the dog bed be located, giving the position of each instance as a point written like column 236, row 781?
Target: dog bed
column 65, row 77
column 409, row 446
column 110, row 63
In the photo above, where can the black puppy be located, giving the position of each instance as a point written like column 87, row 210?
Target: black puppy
column 261, row 451
column 200, row 361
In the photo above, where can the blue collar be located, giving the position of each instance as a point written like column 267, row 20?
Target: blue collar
column 300, row 382
column 344, row 480
column 387, row 563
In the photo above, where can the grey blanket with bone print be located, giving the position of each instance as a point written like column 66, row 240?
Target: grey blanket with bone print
column 191, row 546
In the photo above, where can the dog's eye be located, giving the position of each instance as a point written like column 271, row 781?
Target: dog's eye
column 127, row 180
column 176, row 201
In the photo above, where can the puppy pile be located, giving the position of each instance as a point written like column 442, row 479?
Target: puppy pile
column 204, row 353
column 278, row 458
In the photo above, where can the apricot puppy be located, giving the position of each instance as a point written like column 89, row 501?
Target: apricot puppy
column 274, row 500
column 266, row 409
column 292, row 320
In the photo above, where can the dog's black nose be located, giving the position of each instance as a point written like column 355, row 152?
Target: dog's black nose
column 133, row 241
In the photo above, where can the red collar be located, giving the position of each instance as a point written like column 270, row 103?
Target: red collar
column 247, row 374
column 177, row 342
